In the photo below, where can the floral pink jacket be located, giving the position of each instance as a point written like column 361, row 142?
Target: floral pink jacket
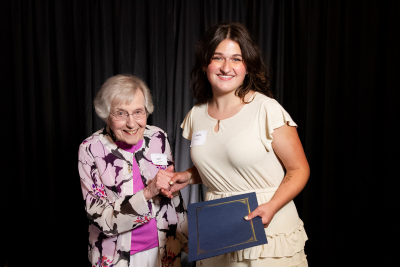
column 112, row 208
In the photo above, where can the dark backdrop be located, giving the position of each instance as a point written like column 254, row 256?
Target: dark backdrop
column 334, row 66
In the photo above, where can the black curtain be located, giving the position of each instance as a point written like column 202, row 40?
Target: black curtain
column 334, row 65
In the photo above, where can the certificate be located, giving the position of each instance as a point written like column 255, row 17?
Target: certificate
column 217, row 227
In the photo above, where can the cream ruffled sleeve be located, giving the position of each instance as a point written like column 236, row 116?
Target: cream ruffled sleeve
column 271, row 116
column 187, row 126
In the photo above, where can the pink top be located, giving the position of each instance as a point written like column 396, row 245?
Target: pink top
column 144, row 237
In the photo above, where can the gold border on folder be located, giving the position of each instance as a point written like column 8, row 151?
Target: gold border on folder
column 198, row 209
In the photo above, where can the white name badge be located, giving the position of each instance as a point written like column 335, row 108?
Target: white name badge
column 159, row 159
column 198, row 138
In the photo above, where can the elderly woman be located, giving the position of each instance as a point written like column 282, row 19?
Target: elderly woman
column 249, row 143
column 130, row 224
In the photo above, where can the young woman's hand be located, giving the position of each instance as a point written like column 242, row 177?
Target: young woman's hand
column 265, row 211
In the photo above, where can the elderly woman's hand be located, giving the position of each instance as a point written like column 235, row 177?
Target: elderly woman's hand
column 160, row 182
column 177, row 181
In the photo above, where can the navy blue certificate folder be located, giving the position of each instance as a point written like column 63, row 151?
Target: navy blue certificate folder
column 217, row 226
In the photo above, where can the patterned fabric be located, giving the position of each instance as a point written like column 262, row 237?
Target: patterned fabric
column 112, row 208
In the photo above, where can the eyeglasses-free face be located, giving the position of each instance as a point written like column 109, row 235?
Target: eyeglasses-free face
column 226, row 70
column 127, row 128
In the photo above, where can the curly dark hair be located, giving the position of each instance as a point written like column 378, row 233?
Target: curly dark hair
column 257, row 78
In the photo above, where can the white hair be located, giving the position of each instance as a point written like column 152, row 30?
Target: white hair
column 121, row 89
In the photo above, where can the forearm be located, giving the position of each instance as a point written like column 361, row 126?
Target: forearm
column 288, row 148
column 193, row 175
column 147, row 194
column 291, row 185
column 124, row 214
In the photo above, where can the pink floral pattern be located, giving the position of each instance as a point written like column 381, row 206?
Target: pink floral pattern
column 99, row 190
column 112, row 208
column 104, row 261
column 142, row 220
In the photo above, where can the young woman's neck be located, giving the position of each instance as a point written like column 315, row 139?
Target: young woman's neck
column 228, row 100
column 225, row 101
column 224, row 106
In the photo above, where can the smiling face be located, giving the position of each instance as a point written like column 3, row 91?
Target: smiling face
column 129, row 130
column 226, row 70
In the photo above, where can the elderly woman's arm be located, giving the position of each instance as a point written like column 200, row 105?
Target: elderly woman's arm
column 111, row 218
column 288, row 148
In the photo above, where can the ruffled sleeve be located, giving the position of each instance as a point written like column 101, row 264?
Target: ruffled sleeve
column 271, row 116
column 187, row 126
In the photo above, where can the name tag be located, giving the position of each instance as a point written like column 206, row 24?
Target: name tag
column 159, row 159
column 198, row 138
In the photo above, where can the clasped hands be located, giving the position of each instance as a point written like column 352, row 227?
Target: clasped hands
column 166, row 182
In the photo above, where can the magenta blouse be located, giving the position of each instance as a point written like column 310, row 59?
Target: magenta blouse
column 143, row 237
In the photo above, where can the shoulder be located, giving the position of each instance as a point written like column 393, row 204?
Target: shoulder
column 271, row 111
column 92, row 145
column 198, row 112
column 264, row 100
column 196, row 109
column 270, row 106
column 153, row 130
column 199, row 106
column 94, row 138
column 155, row 139
column 152, row 133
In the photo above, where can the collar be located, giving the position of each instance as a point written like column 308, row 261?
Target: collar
column 109, row 143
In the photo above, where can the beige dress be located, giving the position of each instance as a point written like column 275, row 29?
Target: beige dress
column 239, row 159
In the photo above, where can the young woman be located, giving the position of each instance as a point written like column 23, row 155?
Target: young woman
column 245, row 142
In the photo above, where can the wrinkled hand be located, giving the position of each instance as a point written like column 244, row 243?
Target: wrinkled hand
column 265, row 211
column 159, row 183
column 177, row 181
